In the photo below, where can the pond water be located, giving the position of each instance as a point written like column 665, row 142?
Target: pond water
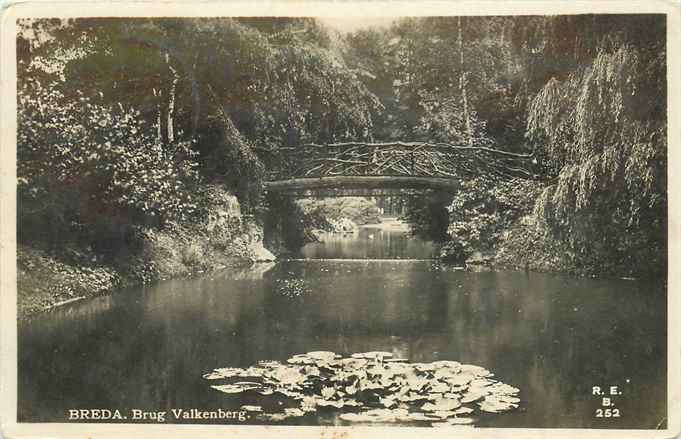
column 552, row 337
column 389, row 240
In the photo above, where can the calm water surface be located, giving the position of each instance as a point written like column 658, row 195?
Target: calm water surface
column 370, row 242
column 551, row 336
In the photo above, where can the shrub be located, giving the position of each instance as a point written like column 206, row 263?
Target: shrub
column 86, row 171
column 482, row 209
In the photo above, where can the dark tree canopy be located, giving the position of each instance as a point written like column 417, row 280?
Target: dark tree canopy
column 189, row 102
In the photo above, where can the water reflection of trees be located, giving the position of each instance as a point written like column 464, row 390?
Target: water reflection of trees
column 551, row 336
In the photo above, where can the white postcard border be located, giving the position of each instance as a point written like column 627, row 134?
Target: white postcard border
column 63, row 9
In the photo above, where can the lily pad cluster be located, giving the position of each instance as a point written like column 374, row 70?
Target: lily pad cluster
column 292, row 287
column 369, row 387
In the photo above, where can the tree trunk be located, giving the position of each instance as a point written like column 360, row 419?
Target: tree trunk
column 159, row 112
column 462, row 86
column 171, row 101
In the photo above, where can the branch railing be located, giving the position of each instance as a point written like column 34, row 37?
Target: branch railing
column 420, row 159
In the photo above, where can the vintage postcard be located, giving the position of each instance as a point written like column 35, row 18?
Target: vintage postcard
column 340, row 219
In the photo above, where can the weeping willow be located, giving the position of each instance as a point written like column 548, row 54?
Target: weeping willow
column 603, row 132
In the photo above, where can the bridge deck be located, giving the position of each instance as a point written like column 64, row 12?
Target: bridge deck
column 348, row 184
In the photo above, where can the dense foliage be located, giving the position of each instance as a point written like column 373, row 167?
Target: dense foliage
column 330, row 211
column 428, row 215
column 604, row 130
column 93, row 170
column 481, row 212
column 586, row 95
column 156, row 116
column 164, row 107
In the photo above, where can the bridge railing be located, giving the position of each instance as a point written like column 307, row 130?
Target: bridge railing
column 420, row 159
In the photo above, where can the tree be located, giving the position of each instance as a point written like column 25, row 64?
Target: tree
column 234, row 92
column 603, row 131
column 92, row 172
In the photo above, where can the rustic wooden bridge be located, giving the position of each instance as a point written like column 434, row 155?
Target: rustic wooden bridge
column 353, row 168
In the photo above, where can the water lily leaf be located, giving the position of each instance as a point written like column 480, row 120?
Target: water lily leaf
column 438, row 387
column 388, row 402
column 351, row 403
column 473, row 395
column 424, row 367
column 322, row 355
column 356, row 417
column 308, row 404
column 417, row 384
column 300, row 359
column 411, row 397
column 226, row 372
column 461, row 379
column 441, row 405
column 365, row 384
column 343, row 376
column 445, row 414
column 377, row 415
column 230, row 372
column 274, row 417
column 287, row 375
column 419, row 416
column 449, row 425
column 352, row 389
column 355, row 363
column 389, row 389
column 377, row 355
column 475, row 370
column 445, row 373
column 503, row 389
column 493, row 404
column 311, row 371
column 481, row 382
column 290, row 393
column 269, row 363
column 293, row 412
column 212, row 376
column 328, row 392
column 460, row 421
column 266, row 391
column 247, row 384
column 395, row 360
column 375, row 371
column 446, row 364
column 388, row 381
column 232, row 388
column 327, row 403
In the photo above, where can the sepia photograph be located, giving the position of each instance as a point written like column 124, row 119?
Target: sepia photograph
column 454, row 221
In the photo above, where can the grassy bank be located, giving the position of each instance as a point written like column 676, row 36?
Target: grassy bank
column 508, row 225
column 528, row 244
column 47, row 278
